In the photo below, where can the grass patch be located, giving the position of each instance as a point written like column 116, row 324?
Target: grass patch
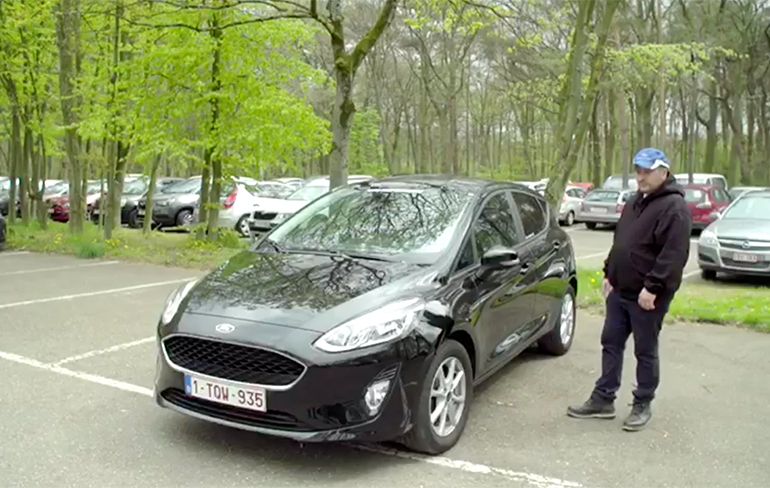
column 716, row 303
column 186, row 250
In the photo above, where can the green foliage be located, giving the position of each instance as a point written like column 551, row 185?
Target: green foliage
column 365, row 150
column 729, row 305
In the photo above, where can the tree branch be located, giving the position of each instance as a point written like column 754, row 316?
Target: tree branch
column 367, row 42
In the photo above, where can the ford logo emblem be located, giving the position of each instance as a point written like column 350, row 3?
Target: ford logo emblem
column 224, row 328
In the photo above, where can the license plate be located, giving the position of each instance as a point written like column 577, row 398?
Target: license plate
column 221, row 392
column 745, row 258
column 599, row 210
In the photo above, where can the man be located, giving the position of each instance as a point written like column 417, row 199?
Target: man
column 642, row 273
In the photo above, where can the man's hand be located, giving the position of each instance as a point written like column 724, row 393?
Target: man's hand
column 646, row 300
column 606, row 288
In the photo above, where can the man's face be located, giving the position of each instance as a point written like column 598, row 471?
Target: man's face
column 650, row 180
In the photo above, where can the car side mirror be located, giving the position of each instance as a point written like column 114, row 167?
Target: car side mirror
column 714, row 216
column 499, row 257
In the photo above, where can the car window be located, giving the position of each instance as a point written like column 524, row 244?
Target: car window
column 467, row 256
column 532, row 215
column 719, row 182
column 692, row 195
column 721, row 196
column 603, row 196
column 495, row 225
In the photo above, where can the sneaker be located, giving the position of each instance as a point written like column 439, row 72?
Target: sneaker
column 592, row 409
column 638, row 418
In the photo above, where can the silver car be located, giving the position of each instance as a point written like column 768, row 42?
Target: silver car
column 738, row 242
column 603, row 207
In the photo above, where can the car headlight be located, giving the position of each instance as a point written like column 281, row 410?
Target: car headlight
column 385, row 324
column 174, row 300
column 708, row 238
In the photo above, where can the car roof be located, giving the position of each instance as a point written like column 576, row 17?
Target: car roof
column 476, row 185
column 699, row 186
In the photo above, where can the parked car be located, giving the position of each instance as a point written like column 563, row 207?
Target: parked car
column 133, row 191
column 237, row 201
column 704, row 202
column 703, row 179
column 174, row 205
column 294, row 183
column 603, row 207
column 60, row 206
column 412, row 289
column 570, row 205
column 269, row 212
column 739, row 241
column 615, row 182
column 737, row 191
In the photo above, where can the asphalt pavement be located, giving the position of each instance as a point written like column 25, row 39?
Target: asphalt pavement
column 77, row 361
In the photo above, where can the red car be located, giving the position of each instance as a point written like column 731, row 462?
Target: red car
column 704, row 201
column 60, row 206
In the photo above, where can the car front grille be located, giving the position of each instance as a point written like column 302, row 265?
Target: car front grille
column 264, row 215
column 270, row 419
column 232, row 361
column 744, row 245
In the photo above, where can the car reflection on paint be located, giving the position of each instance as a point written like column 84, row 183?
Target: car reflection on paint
column 372, row 313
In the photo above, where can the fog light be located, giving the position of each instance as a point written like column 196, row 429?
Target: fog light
column 375, row 395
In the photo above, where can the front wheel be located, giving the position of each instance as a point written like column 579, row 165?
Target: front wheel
column 559, row 340
column 445, row 399
column 591, row 225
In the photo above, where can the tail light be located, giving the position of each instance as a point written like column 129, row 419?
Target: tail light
column 230, row 200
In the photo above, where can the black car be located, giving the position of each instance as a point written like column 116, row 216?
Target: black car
column 173, row 205
column 372, row 313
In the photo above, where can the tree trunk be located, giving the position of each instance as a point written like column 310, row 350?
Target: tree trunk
column 212, row 151
column 610, row 134
column 16, row 161
column 625, row 137
column 596, row 154
column 42, row 210
column 711, row 130
column 68, row 40
column 150, row 202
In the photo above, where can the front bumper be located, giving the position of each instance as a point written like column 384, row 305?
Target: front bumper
column 718, row 258
column 325, row 403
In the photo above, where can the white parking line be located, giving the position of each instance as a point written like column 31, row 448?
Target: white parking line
column 99, row 352
column 59, row 268
column 532, row 479
column 120, row 385
column 690, row 274
column 92, row 294
column 14, row 253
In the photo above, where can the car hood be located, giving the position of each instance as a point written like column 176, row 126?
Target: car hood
column 753, row 229
column 277, row 205
column 307, row 291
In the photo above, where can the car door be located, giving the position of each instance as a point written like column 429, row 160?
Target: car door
column 503, row 298
column 541, row 247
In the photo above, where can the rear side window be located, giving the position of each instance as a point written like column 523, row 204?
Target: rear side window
column 495, row 225
column 533, row 217
column 603, row 196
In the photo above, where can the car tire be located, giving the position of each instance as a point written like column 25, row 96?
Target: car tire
column 570, row 220
column 133, row 219
column 591, row 225
column 559, row 339
column 708, row 274
column 423, row 436
column 184, row 218
column 242, row 227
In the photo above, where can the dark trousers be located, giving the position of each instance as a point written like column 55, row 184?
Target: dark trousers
column 626, row 317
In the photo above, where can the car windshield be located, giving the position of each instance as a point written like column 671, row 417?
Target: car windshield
column 752, row 207
column 693, row 196
column 603, row 196
column 186, row 186
column 309, row 193
column 136, row 187
column 411, row 223
column 95, row 187
column 616, row 182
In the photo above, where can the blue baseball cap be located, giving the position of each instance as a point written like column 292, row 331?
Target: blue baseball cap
column 651, row 158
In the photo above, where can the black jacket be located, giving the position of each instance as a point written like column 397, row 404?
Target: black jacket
column 651, row 243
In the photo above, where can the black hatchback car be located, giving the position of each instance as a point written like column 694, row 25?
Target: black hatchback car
column 372, row 313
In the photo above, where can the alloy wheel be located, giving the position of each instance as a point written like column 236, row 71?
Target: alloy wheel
column 447, row 397
column 567, row 319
